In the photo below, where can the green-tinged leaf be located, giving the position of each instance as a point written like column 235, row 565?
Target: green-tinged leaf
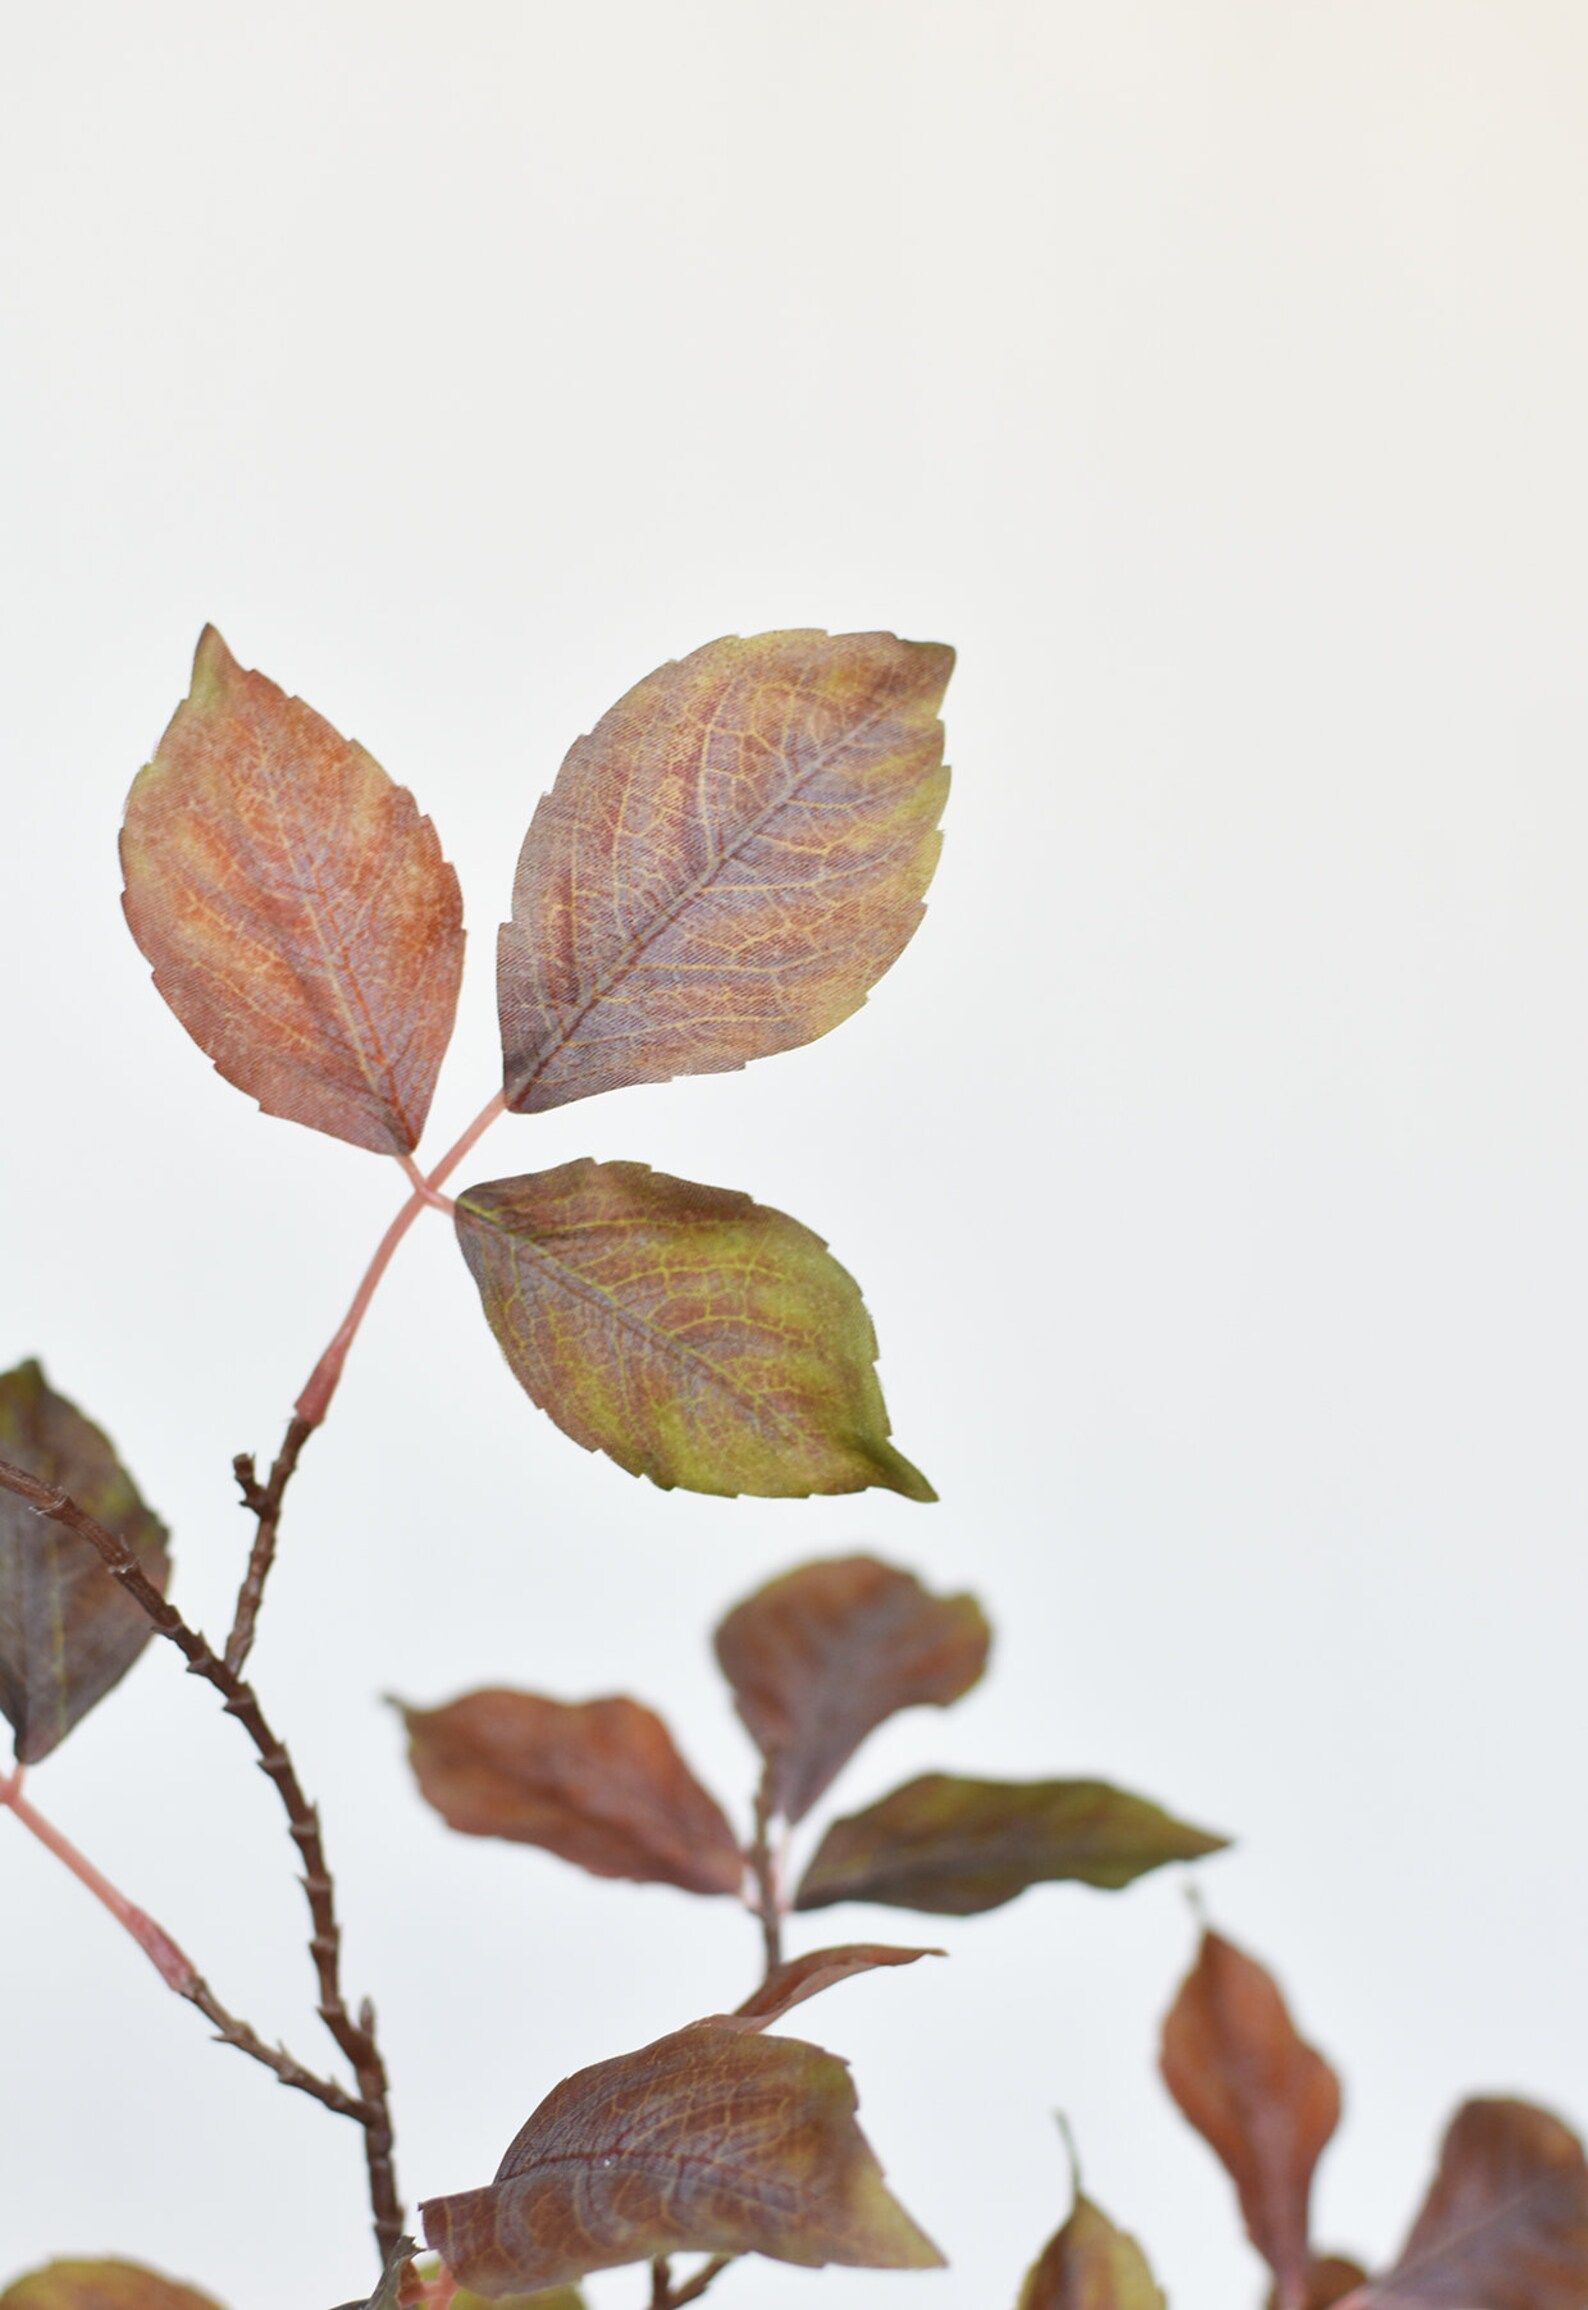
column 296, row 909
column 712, row 2140
column 1505, row 2225
column 956, row 1846
column 389, row 2293
column 548, row 2298
column 599, row 1782
column 692, row 1335
column 790, row 1984
column 545, row 2298
column 726, row 865
column 820, row 1657
column 100, row 2286
column 1091, row 2265
column 1264, row 2100
column 67, row 1632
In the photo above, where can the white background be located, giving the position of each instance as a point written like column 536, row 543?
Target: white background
column 1212, row 373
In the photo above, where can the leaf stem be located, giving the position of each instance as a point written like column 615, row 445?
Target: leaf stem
column 666, row 2296
column 315, row 1400
column 175, row 1968
column 765, row 1897
column 354, row 2036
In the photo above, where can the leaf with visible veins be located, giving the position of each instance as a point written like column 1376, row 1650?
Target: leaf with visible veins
column 956, row 1846
column 726, row 865
column 599, row 1782
column 692, row 1335
column 820, row 1657
column 712, row 2140
column 67, row 1632
column 100, row 2286
column 1265, row 2101
column 295, row 907
column 1505, row 2224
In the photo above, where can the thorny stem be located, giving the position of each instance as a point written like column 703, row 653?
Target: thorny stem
column 315, row 1400
column 175, row 1968
column 264, row 1500
column 765, row 1897
column 264, row 1503
column 354, row 2036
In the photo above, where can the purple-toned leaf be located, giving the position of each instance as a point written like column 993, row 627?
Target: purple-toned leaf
column 726, row 864
column 690, row 1334
column 713, row 2140
column 790, row 1984
column 100, row 2286
column 67, row 1632
column 957, row 1846
column 296, row 909
column 820, row 1657
column 1265, row 2101
column 599, row 1782
column 1505, row 2225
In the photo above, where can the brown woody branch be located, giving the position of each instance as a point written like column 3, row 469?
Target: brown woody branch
column 354, row 2036
column 263, row 1501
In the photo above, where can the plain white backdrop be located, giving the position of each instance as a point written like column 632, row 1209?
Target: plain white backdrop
column 1212, row 373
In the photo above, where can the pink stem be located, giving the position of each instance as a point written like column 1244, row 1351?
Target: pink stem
column 315, row 1400
column 175, row 1969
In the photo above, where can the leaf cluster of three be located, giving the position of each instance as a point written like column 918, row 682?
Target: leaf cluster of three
column 723, row 869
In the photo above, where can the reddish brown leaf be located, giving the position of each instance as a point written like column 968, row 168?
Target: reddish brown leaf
column 1263, row 2099
column 712, row 2139
column 67, row 1632
column 599, row 1782
column 100, row 2286
column 1505, row 2225
column 1330, row 2279
column 726, row 865
column 297, row 911
column 1091, row 2265
column 789, row 1985
column 957, row 1846
column 819, row 1658
column 692, row 1335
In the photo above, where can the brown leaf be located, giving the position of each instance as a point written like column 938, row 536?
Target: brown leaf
column 711, row 2140
column 100, row 2286
column 957, row 1846
column 1330, row 2279
column 819, row 1658
column 790, row 1984
column 599, row 1782
column 726, row 865
column 67, row 1632
column 692, row 1335
column 1263, row 2099
column 297, row 911
column 1505, row 2225
column 1091, row 2265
